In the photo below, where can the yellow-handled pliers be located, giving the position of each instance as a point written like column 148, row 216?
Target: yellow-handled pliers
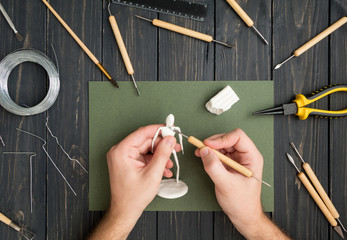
column 297, row 106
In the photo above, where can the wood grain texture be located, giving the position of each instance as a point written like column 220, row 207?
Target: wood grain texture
column 338, row 128
column 295, row 22
column 27, row 87
column 67, row 215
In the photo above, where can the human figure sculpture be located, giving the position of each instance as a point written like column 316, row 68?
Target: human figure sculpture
column 169, row 188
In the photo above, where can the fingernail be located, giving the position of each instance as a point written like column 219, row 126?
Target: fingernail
column 204, row 152
column 170, row 141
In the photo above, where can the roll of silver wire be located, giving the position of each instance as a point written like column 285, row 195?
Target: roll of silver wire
column 14, row 59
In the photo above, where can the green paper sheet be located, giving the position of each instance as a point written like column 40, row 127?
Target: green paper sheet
column 115, row 113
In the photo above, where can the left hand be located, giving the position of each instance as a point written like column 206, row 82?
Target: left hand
column 135, row 174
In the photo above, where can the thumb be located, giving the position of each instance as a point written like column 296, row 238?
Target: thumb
column 213, row 166
column 161, row 156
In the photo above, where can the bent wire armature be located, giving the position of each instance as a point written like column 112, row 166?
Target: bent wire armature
column 49, row 157
column 61, row 147
column 32, row 154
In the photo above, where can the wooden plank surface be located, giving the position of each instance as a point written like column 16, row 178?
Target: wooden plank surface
column 160, row 55
column 27, row 88
column 294, row 23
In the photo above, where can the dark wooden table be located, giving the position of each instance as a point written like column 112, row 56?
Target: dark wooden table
column 159, row 55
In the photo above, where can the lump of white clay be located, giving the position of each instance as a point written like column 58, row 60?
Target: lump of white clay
column 222, row 101
column 171, row 189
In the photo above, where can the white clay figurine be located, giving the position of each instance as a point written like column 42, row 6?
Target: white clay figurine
column 171, row 188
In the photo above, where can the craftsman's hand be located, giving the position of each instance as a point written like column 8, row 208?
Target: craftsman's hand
column 238, row 195
column 135, row 176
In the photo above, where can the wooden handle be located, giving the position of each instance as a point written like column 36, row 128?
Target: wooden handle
column 121, row 45
column 182, row 30
column 5, row 219
column 320, row 190
column 84, row 47
column 224, row 159
column 241, row 13
column 317, row 199
column 320, row 36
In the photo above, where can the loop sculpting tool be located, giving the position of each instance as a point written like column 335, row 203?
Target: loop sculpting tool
column 318, row 187
column 224, row 159
column 297, row 106
column 314, row 40
column 9, row 21
column 243, row 15
column 329, row 216
column 121, row 46
column 184, row 31
column 25, row 233
column 82, row 45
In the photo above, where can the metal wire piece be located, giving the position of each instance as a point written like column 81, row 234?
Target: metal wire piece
column 14, row 59
column 2, row 141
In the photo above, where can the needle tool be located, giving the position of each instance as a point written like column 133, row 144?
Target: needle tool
column 81, row 44
column 25, row 233
column 224, row 159
column 297, row 105
column 184, row 31
column 243, row 15
column 314, row 40
column 316, row 198
column 121, row 46
column 9, row 21
column 312, row 176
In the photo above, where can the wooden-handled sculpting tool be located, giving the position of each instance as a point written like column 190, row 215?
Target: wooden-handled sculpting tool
column 121, row 46
column 82, row 45
column 314, row 40
column 312, row 176
column 9, row 21
column 224, row 159
column 243, row 15
column 25, row 233
column 184, row 31
column 316, row 198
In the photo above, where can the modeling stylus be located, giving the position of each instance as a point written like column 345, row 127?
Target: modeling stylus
column 224, row 159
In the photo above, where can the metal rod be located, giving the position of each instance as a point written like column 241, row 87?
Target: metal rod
column 137, row 89
column 2, row 141
column 280, row 64
column 297, row 152
column 146, row 19
column 259, row 34
column 224, row 44
column 344, row 229
column 261, row 181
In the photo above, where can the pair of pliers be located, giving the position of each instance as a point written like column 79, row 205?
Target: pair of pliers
column 298, row 108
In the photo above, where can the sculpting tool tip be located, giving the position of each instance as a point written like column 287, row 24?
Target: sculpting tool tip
column 114, row 83
column 339, row 231
column 297, row 152
column 260, row 35
column 343, row 227
column 280, row 64
column 262, row 181
column 137, row 89
column 146, row 19
column 290, row 158
column 19, row 37
column 224, row 44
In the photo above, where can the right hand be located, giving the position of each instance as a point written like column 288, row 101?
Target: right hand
column 238, row 195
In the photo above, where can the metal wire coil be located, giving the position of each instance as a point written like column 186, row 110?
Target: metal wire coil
column 14, row 59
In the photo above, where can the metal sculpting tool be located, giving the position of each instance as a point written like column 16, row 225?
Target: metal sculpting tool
column 81, row 44
column 224, row 159
column 312, row 176
column 2, row 141
column 121, row 46
column 314, row 40
column 316, row 198
column 25, row 233
column 184, row 31
column 9, row 21
column 243, row 15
